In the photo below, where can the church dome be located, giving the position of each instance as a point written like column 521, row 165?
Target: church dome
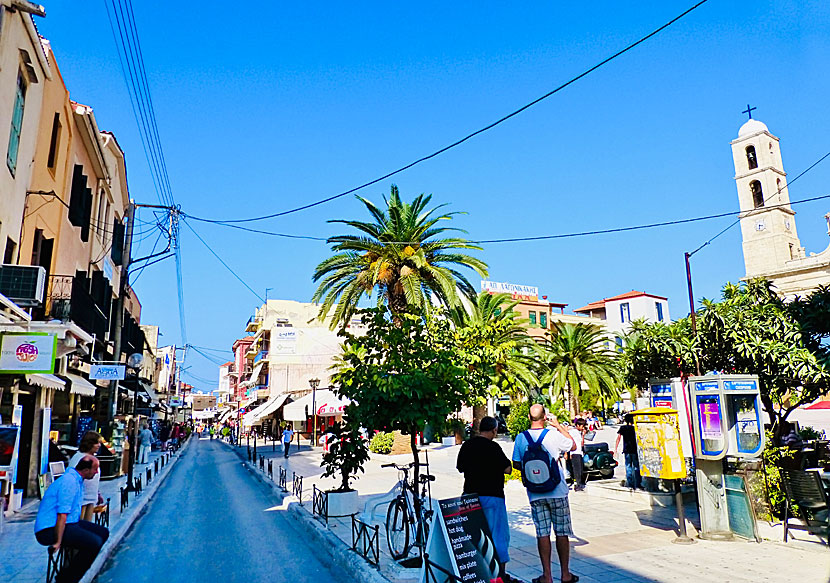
column 753, row 126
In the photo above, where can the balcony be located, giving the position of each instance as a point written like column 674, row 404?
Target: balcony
column 253, row 324
column 68, row 298
column 261, row 355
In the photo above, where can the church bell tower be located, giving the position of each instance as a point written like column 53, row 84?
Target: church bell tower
column 768, row 229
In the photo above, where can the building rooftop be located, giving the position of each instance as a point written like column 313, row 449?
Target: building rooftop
column 600, row 304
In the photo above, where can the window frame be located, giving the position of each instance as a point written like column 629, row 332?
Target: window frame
column 625, row 312
column 531, row 316
column 16, row 122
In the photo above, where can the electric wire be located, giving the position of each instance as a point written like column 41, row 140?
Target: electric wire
column 465, row 138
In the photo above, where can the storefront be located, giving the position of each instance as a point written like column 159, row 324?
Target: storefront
column 329, row 408
column 266, row 417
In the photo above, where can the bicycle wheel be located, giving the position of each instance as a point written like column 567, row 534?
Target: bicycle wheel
column 397, row 529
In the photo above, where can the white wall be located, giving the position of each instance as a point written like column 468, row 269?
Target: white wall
column 641, row 307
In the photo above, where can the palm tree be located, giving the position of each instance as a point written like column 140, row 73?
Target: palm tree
column 577, row 354
column 490, row 327
column 402, row 253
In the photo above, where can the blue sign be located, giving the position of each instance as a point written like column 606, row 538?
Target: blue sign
column 709, row 386
column 747, row 385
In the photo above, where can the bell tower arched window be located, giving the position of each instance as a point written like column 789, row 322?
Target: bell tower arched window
column 757, row 193
column 751, row 157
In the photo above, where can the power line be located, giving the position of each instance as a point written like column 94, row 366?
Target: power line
column 222, row 261
column 465, row 138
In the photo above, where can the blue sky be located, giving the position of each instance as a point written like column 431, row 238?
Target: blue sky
column 271, row 108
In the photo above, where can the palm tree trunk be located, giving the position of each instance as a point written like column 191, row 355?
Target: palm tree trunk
column 397, row 303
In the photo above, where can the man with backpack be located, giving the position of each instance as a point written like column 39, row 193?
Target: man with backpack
column 538, row 454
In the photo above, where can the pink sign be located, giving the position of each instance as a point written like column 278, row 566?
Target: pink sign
column 710, row 427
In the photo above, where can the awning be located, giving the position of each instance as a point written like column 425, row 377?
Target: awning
column 148, row 388
column 818, row 405
column 47, row 381
column 255, row 416
column 328, row 405
column 79, row 385
column 225, row 415
column 252, row 380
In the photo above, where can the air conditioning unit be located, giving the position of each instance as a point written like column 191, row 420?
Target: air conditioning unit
column 25, row 285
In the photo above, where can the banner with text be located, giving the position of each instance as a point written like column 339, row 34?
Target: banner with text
column 516, row 291
column 27, row 352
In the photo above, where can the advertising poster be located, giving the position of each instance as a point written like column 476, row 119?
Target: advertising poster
column 460, row 542
column 710, row 425
column 44, row 440
column 30, row 352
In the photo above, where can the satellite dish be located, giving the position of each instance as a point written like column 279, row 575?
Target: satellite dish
column 135, row 360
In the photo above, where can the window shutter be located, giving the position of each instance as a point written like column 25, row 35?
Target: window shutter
column 76, row 196
column 87, row 216
column 117, row 242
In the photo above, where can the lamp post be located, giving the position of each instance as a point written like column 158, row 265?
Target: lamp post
column 314, row 383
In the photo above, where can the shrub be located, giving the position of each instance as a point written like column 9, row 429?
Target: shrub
column 518, row 420
column 382, row 442
column 808, row 433
column 514, row 475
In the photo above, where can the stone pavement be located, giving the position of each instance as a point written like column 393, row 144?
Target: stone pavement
column 619, row 536
column 23, row 559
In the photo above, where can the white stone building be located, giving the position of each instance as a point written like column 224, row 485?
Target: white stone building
column 771, row 245
column 619, row 311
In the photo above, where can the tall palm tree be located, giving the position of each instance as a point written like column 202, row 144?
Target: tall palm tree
column 490, row 326
column 577, row 354
column 402, row 254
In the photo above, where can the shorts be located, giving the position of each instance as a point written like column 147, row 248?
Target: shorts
column 549, row 512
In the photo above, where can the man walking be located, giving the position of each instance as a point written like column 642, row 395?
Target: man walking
column 577, row 433
column 146, row 443
column 58, row 520
column 628, row 435
column 287, row 436
column 484, row 465
column 547, row 490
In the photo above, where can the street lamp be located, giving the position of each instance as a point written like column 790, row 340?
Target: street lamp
column 134, row 362
column 314, row 383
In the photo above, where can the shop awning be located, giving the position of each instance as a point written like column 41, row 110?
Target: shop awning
column 328, row 405
column 225, row 415
column 255, row 416
column 47, row 381
column 148, row 388
column 79, row 385
column 252, row 380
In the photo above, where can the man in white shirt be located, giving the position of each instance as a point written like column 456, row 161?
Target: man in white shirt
column 549, row 509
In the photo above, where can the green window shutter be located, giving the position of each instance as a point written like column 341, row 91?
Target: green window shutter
column 543, row 319
column 532, row 317
column 17, row 124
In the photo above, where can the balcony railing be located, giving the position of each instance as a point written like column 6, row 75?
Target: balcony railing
column 67, row 298
column 261, row 355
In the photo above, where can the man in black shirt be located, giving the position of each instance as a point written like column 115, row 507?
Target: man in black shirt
column 483, row 463
column 628, row 435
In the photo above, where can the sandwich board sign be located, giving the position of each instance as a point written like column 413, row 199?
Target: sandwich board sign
column 460, row 543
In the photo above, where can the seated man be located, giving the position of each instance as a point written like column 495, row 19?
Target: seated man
column 59, row 521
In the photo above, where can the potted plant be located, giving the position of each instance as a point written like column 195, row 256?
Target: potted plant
column 347, row 452
column 457, row 427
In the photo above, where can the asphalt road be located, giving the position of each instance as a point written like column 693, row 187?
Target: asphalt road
column 212, row 521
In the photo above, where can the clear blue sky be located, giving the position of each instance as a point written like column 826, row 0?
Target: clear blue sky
column 261, row 110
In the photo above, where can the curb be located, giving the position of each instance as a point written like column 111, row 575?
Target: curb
column 342, row 555
column 122, row 528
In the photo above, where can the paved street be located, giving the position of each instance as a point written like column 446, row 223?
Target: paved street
column 213, row 522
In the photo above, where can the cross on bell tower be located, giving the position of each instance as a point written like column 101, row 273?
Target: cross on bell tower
column 749, row 110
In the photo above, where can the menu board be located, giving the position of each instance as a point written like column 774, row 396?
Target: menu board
column 84, row 424
column 460, row 541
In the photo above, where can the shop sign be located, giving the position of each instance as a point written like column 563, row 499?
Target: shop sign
column 283, row 341
column 107, row 372
column 516, row 291
column 175, row 402
column 328, row 409
column 27, row 352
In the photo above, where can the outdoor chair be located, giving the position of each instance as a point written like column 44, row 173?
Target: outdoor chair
column 806, row 491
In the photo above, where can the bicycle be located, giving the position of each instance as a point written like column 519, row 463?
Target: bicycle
column 403, row 528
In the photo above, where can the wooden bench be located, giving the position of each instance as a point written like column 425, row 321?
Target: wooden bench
column 806, row 491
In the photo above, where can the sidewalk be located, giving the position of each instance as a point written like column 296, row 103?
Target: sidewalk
column 24, row 559
column 617, row 540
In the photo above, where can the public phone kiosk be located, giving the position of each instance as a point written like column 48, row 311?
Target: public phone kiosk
column 671, row 393
column 726, row 415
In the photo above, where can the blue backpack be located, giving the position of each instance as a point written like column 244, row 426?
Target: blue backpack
column 540, row 473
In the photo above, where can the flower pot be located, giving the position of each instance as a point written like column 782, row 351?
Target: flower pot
column 448, row 440
column 342, row 503
column 459, row 437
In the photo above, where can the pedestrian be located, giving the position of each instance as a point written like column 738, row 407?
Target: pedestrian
column 59, row 523
column 164, row 435
column 89, row 445
column 628, row 435
column 287, row 436
column 577, row 433
column 538, row 454
column 145, row 439
column 483, row 463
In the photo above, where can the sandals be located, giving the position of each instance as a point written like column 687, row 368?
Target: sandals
column 540, row 579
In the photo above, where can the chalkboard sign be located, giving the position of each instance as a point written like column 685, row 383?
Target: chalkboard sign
column 460, row 541
column 155, row 427
column 739, row 508
column 84, row 424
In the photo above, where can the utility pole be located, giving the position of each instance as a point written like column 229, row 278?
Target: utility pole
column 119, row 305
column 692, row 304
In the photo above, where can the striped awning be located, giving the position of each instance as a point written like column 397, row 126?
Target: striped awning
column 79, row 385
column 47, row 381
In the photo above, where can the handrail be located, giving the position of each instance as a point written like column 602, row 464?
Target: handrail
column 366, row 543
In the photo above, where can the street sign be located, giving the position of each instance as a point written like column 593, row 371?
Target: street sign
column 27, row 352
column 107, row 372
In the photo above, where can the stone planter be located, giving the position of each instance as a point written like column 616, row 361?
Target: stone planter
column 448, row 440
column 342, row 503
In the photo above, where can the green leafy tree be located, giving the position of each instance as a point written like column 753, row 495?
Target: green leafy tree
column 346, row 454
column 576, row 355
column 403, row 253
column 402, row 375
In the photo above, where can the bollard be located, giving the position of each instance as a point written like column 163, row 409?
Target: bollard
column 149, row 475
column 156, row 466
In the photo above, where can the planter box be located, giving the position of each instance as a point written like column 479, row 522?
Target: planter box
column 448, row 440
column 342, row 503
